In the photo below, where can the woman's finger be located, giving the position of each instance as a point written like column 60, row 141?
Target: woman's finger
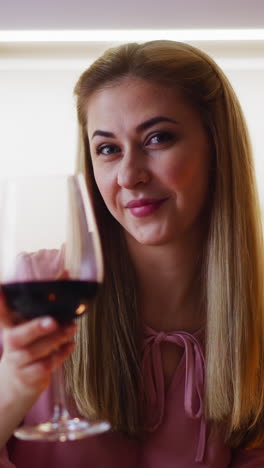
column 26, row 333
column 63, row 353
column 40, row 372
column 42, row 348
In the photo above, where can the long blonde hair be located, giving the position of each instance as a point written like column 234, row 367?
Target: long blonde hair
column 104, row 373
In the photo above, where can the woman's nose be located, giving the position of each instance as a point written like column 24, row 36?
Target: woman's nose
column 132, row 170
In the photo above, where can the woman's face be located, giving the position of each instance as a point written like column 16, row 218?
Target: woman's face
column 151, row 159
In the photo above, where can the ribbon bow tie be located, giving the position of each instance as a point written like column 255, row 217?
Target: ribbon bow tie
column 194, row 379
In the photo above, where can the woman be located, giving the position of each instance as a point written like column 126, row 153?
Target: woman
column 178, row 324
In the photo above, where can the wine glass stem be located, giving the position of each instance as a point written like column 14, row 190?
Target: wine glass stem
column 60, row 412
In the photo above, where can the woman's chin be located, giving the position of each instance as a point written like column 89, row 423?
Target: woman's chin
column 148, row 238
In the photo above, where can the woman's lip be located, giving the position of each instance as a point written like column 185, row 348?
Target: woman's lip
column 144, row 207
column 144, row 202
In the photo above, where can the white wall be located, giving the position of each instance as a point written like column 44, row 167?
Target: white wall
column 37, row 114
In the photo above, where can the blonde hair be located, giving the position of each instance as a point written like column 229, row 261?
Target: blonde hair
column 104, row 373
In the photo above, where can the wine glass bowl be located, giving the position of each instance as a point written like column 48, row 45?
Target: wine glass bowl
column 50, row 264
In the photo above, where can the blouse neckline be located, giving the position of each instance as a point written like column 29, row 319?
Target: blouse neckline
column 155, row 395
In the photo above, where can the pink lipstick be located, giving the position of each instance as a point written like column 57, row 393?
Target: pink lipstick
column 144, row 206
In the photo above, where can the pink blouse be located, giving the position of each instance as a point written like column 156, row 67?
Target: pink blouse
column 176, row 435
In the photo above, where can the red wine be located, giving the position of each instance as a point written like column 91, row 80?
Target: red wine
column 64, row 299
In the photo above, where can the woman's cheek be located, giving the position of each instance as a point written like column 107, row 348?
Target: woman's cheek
column 180, row 174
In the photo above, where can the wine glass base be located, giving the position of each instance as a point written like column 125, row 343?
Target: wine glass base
column 72, row 429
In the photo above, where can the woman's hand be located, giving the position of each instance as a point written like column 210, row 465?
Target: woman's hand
column 31, row 350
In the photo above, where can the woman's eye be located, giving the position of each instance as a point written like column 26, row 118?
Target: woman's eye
column 107, row 149
column 159, row 138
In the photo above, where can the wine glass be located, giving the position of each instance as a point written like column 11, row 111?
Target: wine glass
column 50, row 264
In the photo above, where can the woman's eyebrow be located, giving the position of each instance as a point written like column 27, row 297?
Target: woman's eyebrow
column 149, row 123
column 143, row 126
column 103, row 134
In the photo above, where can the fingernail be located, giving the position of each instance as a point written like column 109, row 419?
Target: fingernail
column 47, row 322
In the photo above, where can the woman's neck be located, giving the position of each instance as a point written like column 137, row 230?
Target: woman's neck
column 170, row 285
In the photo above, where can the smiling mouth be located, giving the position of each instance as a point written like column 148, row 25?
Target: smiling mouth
column 145, row 206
